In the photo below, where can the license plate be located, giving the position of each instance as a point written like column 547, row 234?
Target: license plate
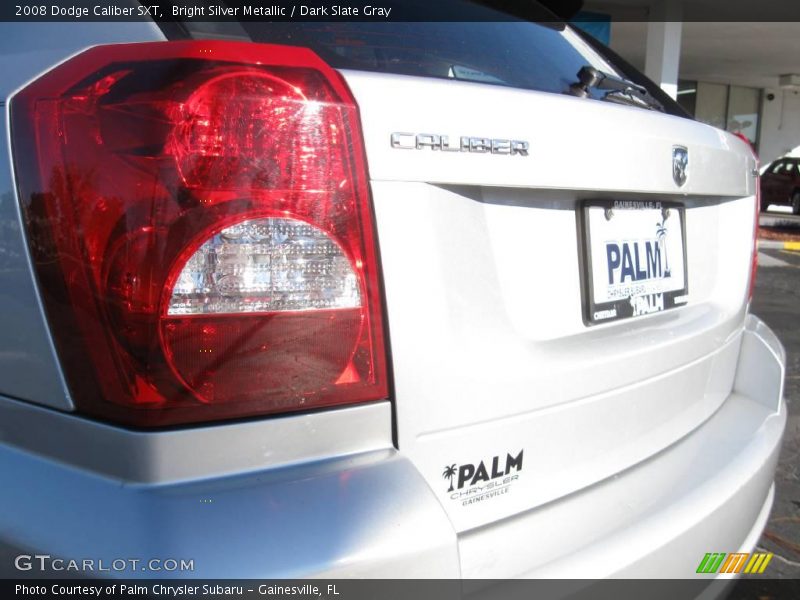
column 635, row 256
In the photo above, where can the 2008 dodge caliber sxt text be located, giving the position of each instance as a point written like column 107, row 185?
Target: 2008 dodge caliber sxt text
column 359, row 299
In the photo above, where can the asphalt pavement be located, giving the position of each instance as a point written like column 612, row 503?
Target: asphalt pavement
column 779, row 216
column 777, row 302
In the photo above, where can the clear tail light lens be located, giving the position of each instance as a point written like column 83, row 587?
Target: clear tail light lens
column 199, row 218
column 265, row 265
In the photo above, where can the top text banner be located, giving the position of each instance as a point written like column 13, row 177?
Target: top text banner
column 382, row 10
column 275, row 10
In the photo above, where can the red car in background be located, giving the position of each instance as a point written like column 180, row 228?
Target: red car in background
column 780, row 184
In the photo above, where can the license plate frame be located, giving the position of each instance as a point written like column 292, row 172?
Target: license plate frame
column 601, row 306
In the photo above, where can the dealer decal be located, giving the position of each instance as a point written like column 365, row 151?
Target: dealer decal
column 470, row 483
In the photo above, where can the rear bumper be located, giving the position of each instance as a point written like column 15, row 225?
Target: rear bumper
column 710, row 492
column 371, row 514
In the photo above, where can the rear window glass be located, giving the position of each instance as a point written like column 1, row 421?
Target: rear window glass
column 517, row 54
column 526, row 49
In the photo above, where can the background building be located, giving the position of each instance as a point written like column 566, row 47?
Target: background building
column 740, row 76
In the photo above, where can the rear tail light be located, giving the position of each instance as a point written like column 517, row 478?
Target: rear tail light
column 199, row 218
column 754, row 261
column 754, row 256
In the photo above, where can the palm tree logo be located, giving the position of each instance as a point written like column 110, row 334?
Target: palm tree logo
column 449, row 473
column 661, row 235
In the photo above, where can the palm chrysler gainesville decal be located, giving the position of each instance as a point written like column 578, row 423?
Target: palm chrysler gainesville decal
column 476, row 482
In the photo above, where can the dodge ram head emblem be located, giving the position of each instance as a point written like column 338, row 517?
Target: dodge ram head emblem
column 680, row 164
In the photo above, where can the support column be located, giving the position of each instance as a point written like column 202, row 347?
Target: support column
column 664, row 44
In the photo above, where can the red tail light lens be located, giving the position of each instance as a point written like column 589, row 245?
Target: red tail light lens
column 199, row 218
column 754, row 263
column 754, row 257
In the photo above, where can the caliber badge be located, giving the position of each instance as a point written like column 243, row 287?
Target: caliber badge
column 445, row 143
